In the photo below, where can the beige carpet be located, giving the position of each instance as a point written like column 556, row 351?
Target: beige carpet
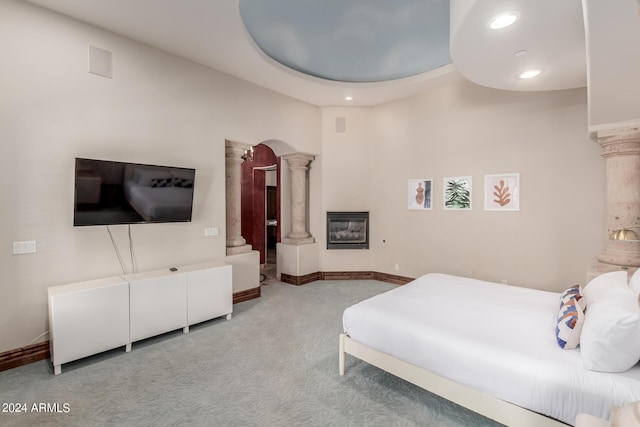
column 275, row 363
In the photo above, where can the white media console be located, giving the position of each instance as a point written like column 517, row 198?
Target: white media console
column 90, row 317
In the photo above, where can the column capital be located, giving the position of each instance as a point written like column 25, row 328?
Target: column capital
column 235, row 150
column 299, row 160
column 619, row 141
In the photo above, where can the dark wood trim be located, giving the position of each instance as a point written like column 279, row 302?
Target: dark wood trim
column 345, row 275
column 300, row 280
column 348, row 275
column 246, row 295
column 23, row 356
column 392, row 278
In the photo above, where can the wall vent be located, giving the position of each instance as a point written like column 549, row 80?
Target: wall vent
column 100, row 62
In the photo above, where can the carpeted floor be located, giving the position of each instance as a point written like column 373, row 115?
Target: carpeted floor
column 268, row 270
column 275, row 363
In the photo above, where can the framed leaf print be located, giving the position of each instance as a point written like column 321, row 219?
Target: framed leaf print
column 502, row 192
column 457, row 193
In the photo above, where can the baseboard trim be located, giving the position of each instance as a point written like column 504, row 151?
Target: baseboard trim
column 392, row 278
column 345, row 275
column 246, row 295
column 23, row 356
column 300, row 280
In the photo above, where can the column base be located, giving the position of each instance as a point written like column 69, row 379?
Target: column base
column 598, row 268
column 625, row 253
column 239, row 241
column 298, row 259
column 237, row 250
column 245, row 270
column 298, row 241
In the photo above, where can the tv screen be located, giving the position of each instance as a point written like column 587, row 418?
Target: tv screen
column 109, row 192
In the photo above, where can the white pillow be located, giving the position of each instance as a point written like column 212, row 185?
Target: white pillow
column 610, row 338
column 604, row 284
column 145, row 176
column 634, row 283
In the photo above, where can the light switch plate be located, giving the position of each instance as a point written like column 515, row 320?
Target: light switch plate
column 211, row 231
column 26, row 247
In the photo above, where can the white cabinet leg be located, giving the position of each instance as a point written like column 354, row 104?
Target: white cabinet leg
column 229, row 316
column 128, row 348
column 57, row 369
column 185, row 329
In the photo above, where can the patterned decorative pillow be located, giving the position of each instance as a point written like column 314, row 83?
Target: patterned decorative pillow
column 571, row 293
column 161, row 182
column 181, row 182
column 569, row 325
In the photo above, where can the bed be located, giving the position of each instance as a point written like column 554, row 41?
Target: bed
column 159, row 195
column 486, row 346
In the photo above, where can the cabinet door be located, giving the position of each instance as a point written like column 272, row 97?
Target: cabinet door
column 158, row 305
column 88, row 319
column 210, row 293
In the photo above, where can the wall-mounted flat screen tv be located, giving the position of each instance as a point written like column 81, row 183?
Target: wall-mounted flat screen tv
column 109, row 192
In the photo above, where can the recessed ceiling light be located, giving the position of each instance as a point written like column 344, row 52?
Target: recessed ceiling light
column 521, row 53
column 503, row 20
column 348, row 98
column 534, row 72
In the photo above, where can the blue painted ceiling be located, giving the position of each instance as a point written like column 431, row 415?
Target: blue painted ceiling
column 351, row 40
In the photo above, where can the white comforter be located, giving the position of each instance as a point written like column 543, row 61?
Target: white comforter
column 494, row 338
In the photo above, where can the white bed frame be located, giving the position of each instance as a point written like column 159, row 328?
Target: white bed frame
column 484, row 404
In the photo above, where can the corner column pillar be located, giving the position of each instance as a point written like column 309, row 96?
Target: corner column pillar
column 234, row 151
column 622, row 156
column 298, row 166
column 298, row 254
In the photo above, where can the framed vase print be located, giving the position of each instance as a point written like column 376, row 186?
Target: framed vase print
column 420, row 192
column 502, row 192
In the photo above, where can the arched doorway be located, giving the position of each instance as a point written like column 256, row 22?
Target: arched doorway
column 260, row 204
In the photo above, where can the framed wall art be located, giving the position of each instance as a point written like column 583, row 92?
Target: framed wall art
column 502, row 192
column 457, row 193
column 420, row 191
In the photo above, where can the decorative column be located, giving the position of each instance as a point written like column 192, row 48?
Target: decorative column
column 622, row 155
column 234, row 152
column 298, row 166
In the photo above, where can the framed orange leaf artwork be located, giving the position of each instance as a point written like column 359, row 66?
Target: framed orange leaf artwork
column 502, row 192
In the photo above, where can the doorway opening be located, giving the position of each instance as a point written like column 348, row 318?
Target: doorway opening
column 261, row 207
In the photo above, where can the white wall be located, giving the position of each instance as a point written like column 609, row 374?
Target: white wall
column 346, row 164
column 157, row 109
column 464, row 129
column 164, row 110
column 612, row 31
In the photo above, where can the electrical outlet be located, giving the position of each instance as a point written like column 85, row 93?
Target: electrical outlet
column 27, row 247
column 396, row 267
column 505, row 282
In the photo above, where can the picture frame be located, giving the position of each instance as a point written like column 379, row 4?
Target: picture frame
column 502, row 192
column 456, row 193
column 420, row 194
